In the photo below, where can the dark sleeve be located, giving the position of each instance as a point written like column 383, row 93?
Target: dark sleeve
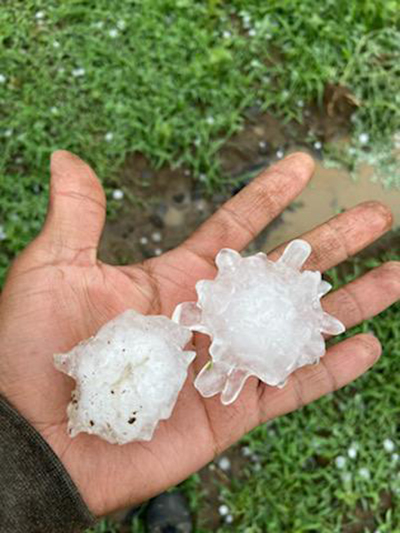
column 37, row 494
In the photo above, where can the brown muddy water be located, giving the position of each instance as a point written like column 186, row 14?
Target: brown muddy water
column 330, row 192
column 172, row 207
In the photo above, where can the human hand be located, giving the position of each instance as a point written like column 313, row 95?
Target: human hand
column 58, row 293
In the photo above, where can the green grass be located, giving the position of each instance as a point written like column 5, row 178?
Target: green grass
column 171, row 79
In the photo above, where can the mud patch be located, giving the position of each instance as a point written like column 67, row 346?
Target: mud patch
column 162, row 207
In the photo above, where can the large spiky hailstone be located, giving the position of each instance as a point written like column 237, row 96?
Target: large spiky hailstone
column 128, row 377
column 264, row 318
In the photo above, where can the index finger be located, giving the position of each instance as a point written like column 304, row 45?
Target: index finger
column 239, row 220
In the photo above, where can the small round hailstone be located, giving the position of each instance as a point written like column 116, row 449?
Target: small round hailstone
column 158, row 252
column 318, row 145
column 113, row 33
column 224, row 464
column 246, row 451
column 109, row 136
column 156, row 236
column 223, row 510
column 280, row 154
column 395, row 457
column 363, row 138
column 340, row 461
column 128, row 377
column 39, row 15
column 226, row 34
column 117, row 194
column 3, row 79
column 352, row 452
column 364, row 473
column 144, row 240
column 78, row 72
column 229, row 519
column 346, row 477
column 3, row 234
column 56, row 44
column 264, row 318
column 388, row 445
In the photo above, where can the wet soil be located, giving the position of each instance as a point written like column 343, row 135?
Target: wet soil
column 162, row 207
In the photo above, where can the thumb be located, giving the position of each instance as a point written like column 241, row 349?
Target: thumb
column 76, row 211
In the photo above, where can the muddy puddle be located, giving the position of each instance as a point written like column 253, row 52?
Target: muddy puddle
column 330, row 192
column 161, row 208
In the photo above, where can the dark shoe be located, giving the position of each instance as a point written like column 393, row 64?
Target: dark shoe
column 168, row 513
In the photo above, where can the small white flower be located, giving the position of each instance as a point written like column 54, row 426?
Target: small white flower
column 78, row 72
column 223, row 510
column 364, row 473
column 121, row 24
column 117, row 194
column 352, row 452
column 363, row 138
column 56, row 44
column 157, row 251
column 229, row 519
column 3, row 79
column 143, row 240
column 113, row 33
column 39, row 15
column 156, row 236
column 340, row 461
column 226, row 34
column 252, row 32
column 318, row 145
column 280, row 154
column 3, row 234
column 210, row 120
column 388, row 445
column 109, row 136
column 224, row 464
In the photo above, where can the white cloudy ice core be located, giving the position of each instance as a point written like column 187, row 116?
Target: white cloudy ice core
column 264, row 318
column 128, row 377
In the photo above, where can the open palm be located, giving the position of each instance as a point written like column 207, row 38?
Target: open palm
column 59, row 293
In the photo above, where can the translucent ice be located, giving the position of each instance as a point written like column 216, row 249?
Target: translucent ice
column 128, row 377
column 264, row 318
